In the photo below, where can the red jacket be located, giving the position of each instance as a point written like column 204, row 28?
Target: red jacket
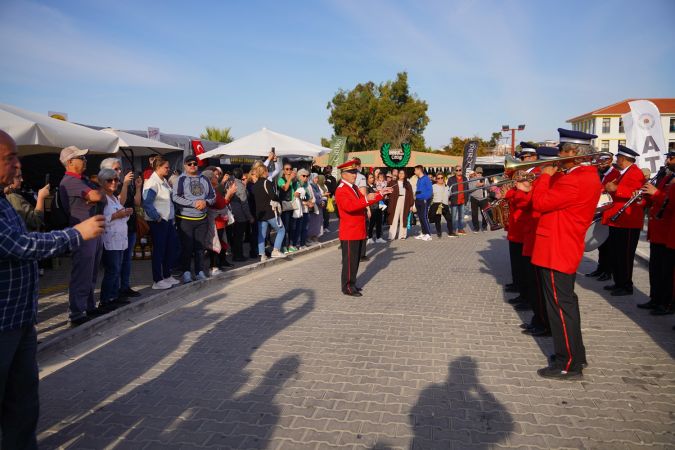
column 352, row 210
column 657, row 228
column 669, row 215
column 613, row 174
column 567, row 208
column 633, row 217
column 518, row 202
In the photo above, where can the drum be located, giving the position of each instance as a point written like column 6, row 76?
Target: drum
column 496, row 214
column 598, row 233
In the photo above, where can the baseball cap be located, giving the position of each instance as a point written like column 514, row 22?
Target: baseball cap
column 71, row 152
column 189, row 158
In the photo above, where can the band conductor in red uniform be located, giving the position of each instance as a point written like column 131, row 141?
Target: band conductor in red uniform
column 352, row 206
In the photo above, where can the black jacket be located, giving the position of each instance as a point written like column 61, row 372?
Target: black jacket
column 264, row 192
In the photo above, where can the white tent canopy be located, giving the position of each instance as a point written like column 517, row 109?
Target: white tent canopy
column 39, row 133
column 140, row 145
column 261, row 142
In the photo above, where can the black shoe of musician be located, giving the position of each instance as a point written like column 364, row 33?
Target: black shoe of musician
column 620, row 292
column 551, row 360
column 537, row 332
column 610, row 287
column 516, row 300
column 661, row 311
column 651, row 304
column 557, row 374
column 358, row 289
column 522, row 307
column 511, row 288
column 526, row 326
column 595, row 273
column 605, row 277
column 353, row 294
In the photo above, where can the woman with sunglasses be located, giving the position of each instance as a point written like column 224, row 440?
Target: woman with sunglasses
column 115, row 240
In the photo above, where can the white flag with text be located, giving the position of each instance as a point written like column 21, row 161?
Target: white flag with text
column 644, row 134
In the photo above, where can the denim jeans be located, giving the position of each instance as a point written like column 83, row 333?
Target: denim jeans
column 300, row 234
column 125, row 271
column 112, row 265
column 458, row 217
column 164, row 248
column 262, row 234
column 289, row 225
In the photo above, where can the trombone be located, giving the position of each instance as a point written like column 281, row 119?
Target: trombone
column 514, row 168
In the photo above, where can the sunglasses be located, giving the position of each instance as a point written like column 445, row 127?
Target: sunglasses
column 81, row 158
column 303, row 176
column 287, row 169
column 191, row 164
column 113, row 180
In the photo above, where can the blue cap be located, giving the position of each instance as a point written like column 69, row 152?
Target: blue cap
column 548, row 152
column 575, row 137
column 526, row 147
column 627, row 152
column 670, row 154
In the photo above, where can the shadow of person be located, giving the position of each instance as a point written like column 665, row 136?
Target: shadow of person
column 460, row 412
column 379, row 260
column 141, row 389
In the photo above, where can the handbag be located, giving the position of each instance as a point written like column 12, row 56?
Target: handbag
column 330, row 206
column 142, row 227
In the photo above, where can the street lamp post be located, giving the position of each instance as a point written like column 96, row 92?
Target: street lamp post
column 513, row 136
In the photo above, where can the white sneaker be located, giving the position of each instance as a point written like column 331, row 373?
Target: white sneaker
column 160, row 285
column 201, row 275
column 426, row 237
column 420, row 236
column 172, row 281
column 277, row 254
column 380, row 241
column 371, row 241
column 215, row 271
column 187, row 277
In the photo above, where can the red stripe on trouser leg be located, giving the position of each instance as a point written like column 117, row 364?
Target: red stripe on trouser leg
column 562, row 318
column 349, row 267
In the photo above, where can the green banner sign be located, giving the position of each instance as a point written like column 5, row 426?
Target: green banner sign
column 337, row 151
column 395, row 158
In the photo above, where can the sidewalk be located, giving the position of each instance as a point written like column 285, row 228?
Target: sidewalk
column 53, row 299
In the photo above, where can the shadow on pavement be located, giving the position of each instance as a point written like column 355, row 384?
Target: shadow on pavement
column 133, row 391
column 381, row 255
column 460, row 412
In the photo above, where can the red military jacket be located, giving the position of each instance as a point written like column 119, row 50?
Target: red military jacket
column 657, row 228
column 610, row 175
column 669, row 215
column 352, row 209
column 567, row 208
column 517, row 201
column 633, row 217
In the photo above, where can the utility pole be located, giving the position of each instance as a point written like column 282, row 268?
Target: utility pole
column 513, row 136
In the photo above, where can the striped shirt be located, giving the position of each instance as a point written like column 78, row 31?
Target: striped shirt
column 19, row 253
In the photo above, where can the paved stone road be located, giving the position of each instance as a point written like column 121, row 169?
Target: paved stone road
column 430, row 357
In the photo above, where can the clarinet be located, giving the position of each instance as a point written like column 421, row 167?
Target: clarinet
column 662, row 209
column 637, row 197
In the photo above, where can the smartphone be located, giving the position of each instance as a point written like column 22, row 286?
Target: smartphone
column 46, row 179
column 273, row 151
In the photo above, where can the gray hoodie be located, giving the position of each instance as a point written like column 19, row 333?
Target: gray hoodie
column 187, row 190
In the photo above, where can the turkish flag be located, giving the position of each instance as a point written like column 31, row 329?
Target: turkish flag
column 198, row 149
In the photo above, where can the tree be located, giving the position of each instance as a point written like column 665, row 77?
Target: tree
column 370, row 115
column 218, row 135
column 456, row 145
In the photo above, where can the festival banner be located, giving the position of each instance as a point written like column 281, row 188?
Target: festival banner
column 644, row 134
column 153, row 133
column 337, row 153
column 469, row 156
column 198, row 149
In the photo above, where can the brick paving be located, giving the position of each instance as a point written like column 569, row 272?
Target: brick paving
column 430, row 357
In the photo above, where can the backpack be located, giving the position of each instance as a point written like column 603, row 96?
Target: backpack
column 58, row 215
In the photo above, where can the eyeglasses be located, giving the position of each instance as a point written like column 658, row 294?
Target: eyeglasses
column 303, row 176
column 287, row 169
column 113, row 180
column 191, row 164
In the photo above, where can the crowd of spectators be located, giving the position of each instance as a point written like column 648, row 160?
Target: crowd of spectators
column 196, row 218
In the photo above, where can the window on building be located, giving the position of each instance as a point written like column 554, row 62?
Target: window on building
column 672, row 124
column 621, row 125
column 622, row 142
column 671, row 146
column 604, row 146
column 605, row 125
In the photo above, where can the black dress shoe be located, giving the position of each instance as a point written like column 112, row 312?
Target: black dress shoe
column 605, row 277
column 610, row 287
column 225, row 264
column 353, row 294
column 557, row 374
column 595, row 273
column 129, row 293
column 661, row 311
column 516, row 300
column 537, row 332
column 620, row 292
column 522, row 307
column 79, row 321
column 358, row 289
column 365, row 258
column 511, row 288
column 649, row 305
column 551, row 359
column 526, row 326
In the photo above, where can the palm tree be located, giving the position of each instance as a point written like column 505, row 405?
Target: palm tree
column 218, row 135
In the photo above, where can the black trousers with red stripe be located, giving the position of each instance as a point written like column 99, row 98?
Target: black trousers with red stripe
column 535, row 295
column 516, row 258
column 623, row 242
column 351, row 255
column 562, row 306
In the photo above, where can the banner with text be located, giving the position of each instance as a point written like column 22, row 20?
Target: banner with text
column 469, row 156
column 644, row 134
column 337, row 153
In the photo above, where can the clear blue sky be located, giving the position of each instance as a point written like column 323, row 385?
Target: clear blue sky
column 182, row 65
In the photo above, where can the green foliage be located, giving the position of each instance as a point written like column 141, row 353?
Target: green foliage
column 456, row 145
column 218, row 135
column 325, row 142
column 371, row 115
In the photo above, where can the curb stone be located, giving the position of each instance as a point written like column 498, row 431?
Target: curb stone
column 78, row 334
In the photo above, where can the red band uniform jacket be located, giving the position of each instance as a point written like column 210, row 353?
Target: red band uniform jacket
column 352, row 211
column 657, row 228
column 633, row 217
column 567, row 208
